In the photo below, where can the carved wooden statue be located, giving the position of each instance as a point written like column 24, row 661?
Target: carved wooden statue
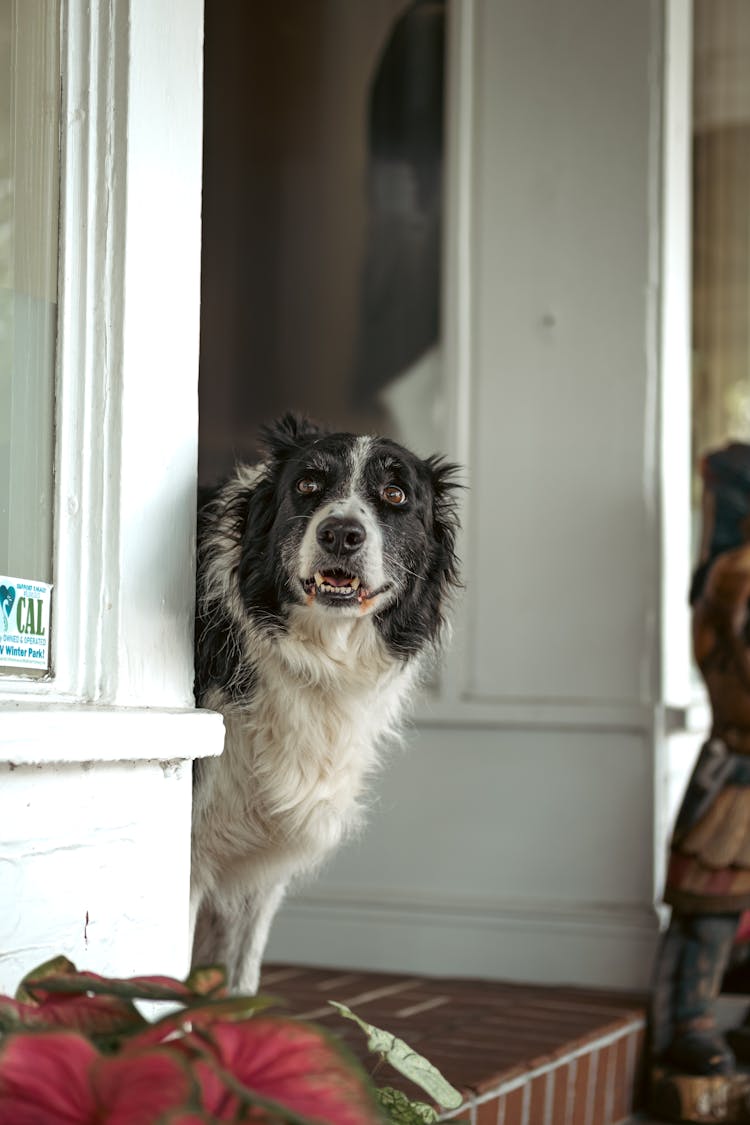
column 694, row 1073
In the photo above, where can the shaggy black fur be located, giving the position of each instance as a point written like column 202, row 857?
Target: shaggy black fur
column 268, row 522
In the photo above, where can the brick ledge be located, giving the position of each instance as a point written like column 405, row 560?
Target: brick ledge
column 521, row 1054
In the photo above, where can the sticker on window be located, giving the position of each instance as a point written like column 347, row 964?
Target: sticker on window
column 24, row 623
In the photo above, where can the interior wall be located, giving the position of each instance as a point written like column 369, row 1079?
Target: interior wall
column 514, row 837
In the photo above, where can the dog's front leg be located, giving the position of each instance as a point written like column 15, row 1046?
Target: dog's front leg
column 233, row 933
column 247, row 936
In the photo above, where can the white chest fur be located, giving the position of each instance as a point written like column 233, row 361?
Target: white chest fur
column 287, row 787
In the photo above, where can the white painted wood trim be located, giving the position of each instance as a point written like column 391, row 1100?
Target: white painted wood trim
column 675, row 342
column 34, row 735
column 384, row 899
column 150, row 652
column 596, row 945
column 457, row 334
column 686, row 710
column 538, row 714
column 457, row 302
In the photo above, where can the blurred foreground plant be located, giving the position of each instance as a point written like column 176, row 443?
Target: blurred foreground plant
column 74, row 1048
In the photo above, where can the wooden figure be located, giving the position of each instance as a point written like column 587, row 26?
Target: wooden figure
column 694, row 1071
column 699, row 1098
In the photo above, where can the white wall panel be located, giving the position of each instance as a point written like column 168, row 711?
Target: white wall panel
column 517, row 834
column 561, row 572
column 508, row 833
column 492, row 814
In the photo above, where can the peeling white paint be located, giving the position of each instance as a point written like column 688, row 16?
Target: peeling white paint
column 94, row 863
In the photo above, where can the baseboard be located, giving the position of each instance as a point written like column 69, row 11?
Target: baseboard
column 551, row 943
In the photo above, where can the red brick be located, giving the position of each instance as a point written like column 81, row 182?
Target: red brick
column 597, row 1078
column 602, row 1097
column 511, row 1112
column 537, row 1099
column 583, row 1071
column 618, row 1095
column 561, row 1076
column 487, row 1112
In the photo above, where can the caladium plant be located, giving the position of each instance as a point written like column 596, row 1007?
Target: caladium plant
column 75, row 1049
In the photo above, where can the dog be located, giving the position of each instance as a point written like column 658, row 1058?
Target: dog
column 323, row 581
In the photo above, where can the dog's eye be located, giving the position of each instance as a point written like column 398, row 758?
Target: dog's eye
column 394, row 495
column 307, row 486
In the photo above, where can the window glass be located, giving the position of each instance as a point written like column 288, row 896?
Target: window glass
column 322, row 212
column 29, row 165
column 721, row 226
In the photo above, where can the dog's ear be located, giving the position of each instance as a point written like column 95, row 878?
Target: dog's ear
column 443, row 476
column 284, row 436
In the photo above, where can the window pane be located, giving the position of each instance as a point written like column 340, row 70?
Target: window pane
column 323, row 161
column 721, row 224
column 29, row 163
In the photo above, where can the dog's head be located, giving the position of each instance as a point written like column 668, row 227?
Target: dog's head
column 348, row 526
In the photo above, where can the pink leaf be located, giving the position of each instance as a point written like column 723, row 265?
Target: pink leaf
column 179, row 1026
column 187, row 1117
column 216, row 1095
column 292, row 1064
column 45, row 1077
column 60, row 975
column 138, row 1089
column 60, row 1077
column 93, row 1015
column 144, row 988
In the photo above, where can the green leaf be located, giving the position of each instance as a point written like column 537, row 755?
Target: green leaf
column 405, row 1060
column 402, row 1110
column 60, row 976
column 92, row 1016
column 57, row 966
column 196, row 1016
column 209, row 980
column 130, row 988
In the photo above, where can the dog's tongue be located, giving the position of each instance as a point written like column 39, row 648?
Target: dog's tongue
column 337, row 579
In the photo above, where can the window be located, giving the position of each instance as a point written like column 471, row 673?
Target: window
column 29, row 170
column 125, row 406
column 721, row 225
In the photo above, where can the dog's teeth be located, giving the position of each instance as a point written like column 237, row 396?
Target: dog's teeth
column 351, row 587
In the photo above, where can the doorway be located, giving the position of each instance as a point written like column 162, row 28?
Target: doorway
column 322, row 221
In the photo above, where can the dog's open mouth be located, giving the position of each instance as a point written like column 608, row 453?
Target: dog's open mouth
column 336, row 583
column 339, row 587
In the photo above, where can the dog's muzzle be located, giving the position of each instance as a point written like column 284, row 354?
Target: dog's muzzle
column 336, row 581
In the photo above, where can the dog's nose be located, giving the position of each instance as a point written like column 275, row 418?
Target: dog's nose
column 341, row 536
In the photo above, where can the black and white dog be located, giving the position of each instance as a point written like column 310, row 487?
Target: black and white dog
column 323, row 580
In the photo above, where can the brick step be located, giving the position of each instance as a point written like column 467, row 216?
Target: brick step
column 521, row 1054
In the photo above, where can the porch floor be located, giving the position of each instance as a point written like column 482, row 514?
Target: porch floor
column 521, row 1054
